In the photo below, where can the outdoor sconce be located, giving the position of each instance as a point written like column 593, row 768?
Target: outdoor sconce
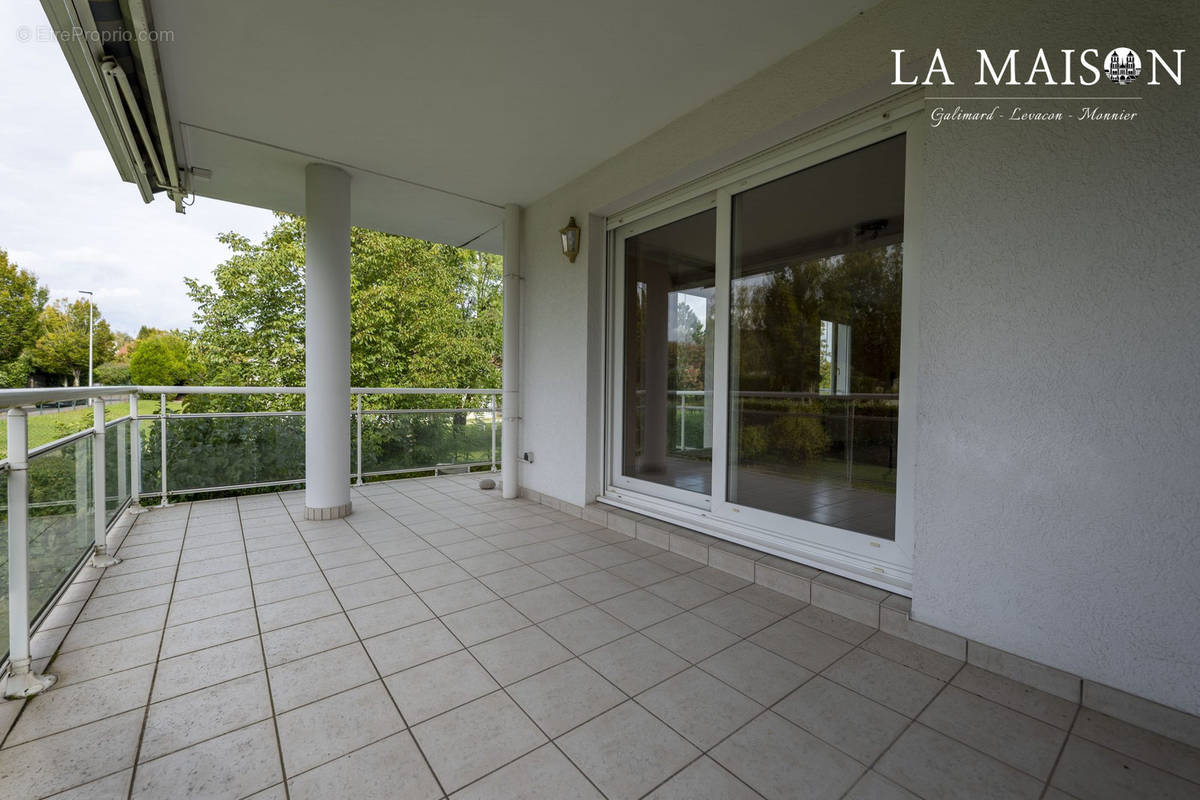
column 570, row 240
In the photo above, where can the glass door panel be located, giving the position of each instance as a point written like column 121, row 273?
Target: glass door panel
column 668, row 293
column 814, row 335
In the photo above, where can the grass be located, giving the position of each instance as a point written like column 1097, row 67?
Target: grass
column 45, row 428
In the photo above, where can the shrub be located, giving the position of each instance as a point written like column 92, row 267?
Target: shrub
column 799, row 437
column 752, row 442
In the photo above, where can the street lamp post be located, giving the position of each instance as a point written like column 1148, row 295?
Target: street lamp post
column 91, row 308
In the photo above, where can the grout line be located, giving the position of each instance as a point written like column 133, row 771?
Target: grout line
column 379, row 677
column 1061, row 749
column 158, row 657
column 263, row 652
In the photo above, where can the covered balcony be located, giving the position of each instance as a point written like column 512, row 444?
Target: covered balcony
column 846, row 445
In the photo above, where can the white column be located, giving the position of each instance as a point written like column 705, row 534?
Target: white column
column 21, row 680
column 327, row 343
column 100, row 557
column 511, row 400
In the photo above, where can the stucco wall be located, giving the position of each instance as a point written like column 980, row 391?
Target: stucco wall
column 1058, row 446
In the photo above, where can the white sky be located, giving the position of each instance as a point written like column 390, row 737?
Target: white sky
column 67, row 216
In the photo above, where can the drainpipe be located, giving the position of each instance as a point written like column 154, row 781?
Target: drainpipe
column 509, row 440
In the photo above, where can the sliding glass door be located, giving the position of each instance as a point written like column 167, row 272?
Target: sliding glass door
column 757, row 350
column 814, row 342
column 668, row 289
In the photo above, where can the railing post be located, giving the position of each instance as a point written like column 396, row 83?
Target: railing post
column 493, row 433
column 358, row 437
column 135, row 455
column 682, row 420
column 122, row 462
column 21, row 680
column 100, row 557
column 162, row 423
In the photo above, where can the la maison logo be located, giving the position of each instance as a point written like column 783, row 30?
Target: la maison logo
column 1122, row 66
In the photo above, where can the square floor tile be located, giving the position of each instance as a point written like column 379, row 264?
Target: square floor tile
column 65, row 707
column 756, row 672
column 399, row 612
column 515, row 580
column 520, row 654
column 835, row 625
column 704, row 779
column 1017, row 696
column 186, row 673
column 562, row 567
column 472, row 740
column 635, row 663
column 775, row 757
column 544, row 774
column 884, row 681
column 432, row 577
column 78, row 755
column 699, row 706
column 429, row 689
column 640, row 609
column 377, row 770
column 806, row 646
column 1015, row 739
column 585, row 629
column 685, row 591
column 410, row 646
column 191, row 718
column 597, row 586
column 842, row 718
column 736, row 615
column 237, row 764
column 930, row 662
column 307, row 638
column 322, row 731
column 690, row 636
column 565, row 696
column 480, row 623
column 939, row 768
column 457, row 596
column 626, row 751
column 321, row 675
column 545, row 602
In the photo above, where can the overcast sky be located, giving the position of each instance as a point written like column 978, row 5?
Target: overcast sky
column 66, row 215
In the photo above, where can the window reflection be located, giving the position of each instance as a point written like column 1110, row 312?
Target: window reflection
column 670, row 280
column 815, row 341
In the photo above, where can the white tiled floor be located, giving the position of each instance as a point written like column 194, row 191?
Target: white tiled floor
column 442, row 641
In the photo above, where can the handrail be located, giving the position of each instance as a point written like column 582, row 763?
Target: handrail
column 10, row 398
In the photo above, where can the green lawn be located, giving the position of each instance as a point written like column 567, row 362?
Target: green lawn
column 47, row 427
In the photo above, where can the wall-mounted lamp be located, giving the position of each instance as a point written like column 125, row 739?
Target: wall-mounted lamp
column 570, row 240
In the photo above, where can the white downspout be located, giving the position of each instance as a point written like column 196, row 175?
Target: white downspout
column 511, row 411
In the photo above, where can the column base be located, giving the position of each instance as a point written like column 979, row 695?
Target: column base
column 100, row 560
column 329, row 512
column 24, row 682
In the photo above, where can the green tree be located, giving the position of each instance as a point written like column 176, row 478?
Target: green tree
column 62, row 347
column 162, row 360
column 21, row 303
column 422, row 314
column 113, row 373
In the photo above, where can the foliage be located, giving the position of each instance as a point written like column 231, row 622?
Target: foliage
column 15, row 374
column 799, row 437
column 21, row 302
column 422, row 314
column 113, row 373
column 752, row 442
column 62, row 347
column 161, row 360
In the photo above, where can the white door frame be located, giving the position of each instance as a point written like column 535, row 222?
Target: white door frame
column 863, row 557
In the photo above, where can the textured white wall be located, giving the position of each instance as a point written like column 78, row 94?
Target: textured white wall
column 1058, row 442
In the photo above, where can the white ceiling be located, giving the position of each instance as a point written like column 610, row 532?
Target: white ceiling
column 444, row 111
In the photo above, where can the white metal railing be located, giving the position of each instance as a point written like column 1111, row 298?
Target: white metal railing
column 37, row 515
